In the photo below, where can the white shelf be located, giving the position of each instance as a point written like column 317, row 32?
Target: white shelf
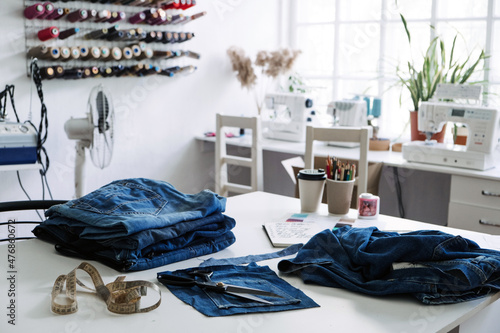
column 15, row 167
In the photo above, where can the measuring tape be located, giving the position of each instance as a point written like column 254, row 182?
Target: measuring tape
column 120, row 296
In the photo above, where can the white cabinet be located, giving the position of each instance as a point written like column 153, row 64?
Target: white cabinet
column 474, row 204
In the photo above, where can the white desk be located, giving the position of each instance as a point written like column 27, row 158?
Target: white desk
column 38, row 266
column 388, row 157
column 463, row 210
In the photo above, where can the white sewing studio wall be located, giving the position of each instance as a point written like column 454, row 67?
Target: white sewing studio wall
column 156, row 118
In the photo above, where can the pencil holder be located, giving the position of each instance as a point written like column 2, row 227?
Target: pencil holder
column 338, row 195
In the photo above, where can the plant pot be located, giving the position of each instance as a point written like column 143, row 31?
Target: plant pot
column 416, row 135
column 461, row 136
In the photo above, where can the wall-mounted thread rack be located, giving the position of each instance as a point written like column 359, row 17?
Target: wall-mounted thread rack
column 80, row 39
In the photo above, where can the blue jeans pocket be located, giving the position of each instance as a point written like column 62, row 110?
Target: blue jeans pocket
column 226, row 301
column 122, row 198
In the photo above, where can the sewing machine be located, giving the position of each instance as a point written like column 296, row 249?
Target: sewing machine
column 348, row 112
column 286, row 116
column 482, row 124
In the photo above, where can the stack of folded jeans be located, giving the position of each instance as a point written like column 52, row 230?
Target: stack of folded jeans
column 137, row 224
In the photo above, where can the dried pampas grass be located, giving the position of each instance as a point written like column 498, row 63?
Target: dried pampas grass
column 242, row 65
column 273, row 64
column 277, row 62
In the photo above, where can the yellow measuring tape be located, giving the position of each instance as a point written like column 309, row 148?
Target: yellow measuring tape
column 120, row 297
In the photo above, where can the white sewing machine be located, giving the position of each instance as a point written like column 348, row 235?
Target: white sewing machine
column 286, row 116
column 348, row 112
column 482, row 125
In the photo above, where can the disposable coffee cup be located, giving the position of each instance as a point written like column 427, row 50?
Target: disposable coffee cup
column 311, row 186
column 339, row 195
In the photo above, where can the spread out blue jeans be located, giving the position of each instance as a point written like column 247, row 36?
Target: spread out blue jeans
column 435, row 267
column 214, row 304
column 137, row 224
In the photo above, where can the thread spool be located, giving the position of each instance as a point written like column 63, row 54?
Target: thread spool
column 59, row 71
column 105, row 52
column 38, row 52
column 162, row 54
column 65, row 53
column 68, row 33
column 116, row 53
column 95, row 52
column 96, row 34
column 75, row 52
column 103, row 16
column 54, row 53
column 73, row 73
column 87, row 72
column 48, row 33
column 127, row 53
column 175, row 4
column 92, row 14
column 167, row 37
column 147, row 54
column 137, row 18
column 84, row 52
column 136, row 50
column 150, row 37
column 56, row 14
column 34, row 11
column 49, row 9
column 368, row 206
column 117, row 16
column 47, row 73
column 77, row 15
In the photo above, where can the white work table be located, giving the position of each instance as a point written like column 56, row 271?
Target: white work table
column 38, row 265
column 387, row 157
column 452, row 196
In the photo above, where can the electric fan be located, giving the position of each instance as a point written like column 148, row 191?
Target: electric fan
column 94, row 132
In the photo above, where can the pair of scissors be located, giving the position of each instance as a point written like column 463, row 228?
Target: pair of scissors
column 221, row 287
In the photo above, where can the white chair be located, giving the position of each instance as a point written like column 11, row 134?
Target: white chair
column 341, row 134
column 222, row 159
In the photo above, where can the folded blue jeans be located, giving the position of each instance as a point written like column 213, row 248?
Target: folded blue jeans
column 435, row 267
column 127, row 206
column 190, row 245
column 136, row 224
column 215, row 304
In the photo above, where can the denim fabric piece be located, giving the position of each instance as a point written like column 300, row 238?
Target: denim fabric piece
column 125, row 207
column 292, row 249
column 437, row 268
column 214, row 304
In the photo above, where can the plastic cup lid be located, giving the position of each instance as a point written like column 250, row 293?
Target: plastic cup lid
column 312, row 174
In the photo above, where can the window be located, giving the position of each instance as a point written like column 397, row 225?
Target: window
column 352, row 47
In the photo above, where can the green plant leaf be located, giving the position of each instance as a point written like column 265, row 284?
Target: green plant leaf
column 406, row 28
column 452, row 51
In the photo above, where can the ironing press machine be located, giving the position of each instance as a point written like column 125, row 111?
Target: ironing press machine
column 286, row 116
column 482, row 125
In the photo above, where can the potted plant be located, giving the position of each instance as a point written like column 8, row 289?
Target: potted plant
column 437, row 67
